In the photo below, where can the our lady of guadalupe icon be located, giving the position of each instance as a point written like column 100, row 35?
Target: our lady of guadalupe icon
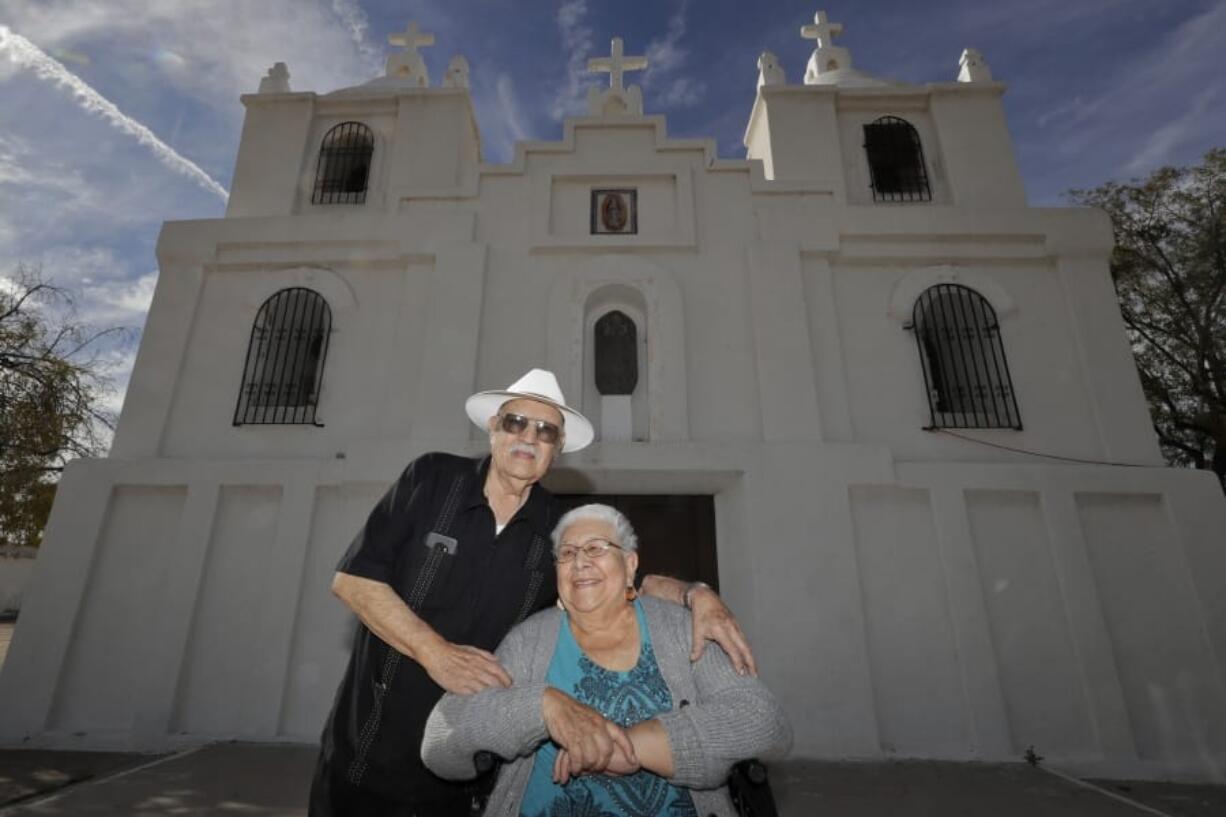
column 613, row 211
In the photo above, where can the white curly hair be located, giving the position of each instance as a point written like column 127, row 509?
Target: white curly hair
column 622, row 531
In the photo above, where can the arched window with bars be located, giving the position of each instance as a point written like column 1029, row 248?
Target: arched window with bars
column 963, row 359
column 343, row 172
column 896, row 161
column 285, row 360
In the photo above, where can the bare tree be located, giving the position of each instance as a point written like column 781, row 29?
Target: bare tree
column 1169, row 268
column 52, row 384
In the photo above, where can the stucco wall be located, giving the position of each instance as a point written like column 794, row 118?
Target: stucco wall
column 931, row 610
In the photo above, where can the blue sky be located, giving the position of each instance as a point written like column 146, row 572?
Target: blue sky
column 116, row 115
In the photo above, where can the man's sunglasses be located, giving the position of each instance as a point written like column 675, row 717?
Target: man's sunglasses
column 515, row 424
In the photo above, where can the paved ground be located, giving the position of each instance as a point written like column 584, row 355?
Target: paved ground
column 271, row 781
column 25, row 773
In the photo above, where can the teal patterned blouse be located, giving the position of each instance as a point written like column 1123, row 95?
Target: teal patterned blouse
column 626, row 698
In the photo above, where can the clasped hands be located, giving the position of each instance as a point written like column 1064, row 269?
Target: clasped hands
column 590, row 743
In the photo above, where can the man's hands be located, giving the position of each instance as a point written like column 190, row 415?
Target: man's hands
column 714, row 621
column 460, row 668
column 589, row 742
column 455, row 667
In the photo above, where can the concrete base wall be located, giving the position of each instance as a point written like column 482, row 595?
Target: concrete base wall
column 938, row 610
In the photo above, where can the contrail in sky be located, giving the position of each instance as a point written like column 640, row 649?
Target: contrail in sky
column 27, row 55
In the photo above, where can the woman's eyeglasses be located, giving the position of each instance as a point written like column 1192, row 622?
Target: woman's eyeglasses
column 593, row 549
column 515, row 424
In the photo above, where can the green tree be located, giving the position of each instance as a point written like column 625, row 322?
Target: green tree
column 1169, row 268
column 52, row 384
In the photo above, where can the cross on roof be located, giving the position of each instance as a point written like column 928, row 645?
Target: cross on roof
column 616, row 64
column 411, row 39
column 822, row 30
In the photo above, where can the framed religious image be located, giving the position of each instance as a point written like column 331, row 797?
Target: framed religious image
column 615, row 212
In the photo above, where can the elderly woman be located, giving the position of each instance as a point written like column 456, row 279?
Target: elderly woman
column 661, row 732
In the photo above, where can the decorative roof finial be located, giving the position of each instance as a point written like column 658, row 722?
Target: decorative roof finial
column 457, row 73
column 770, row 72
column 407, row 64
column 826, row 57
column 277, row 81
column 617, row 99
column 973, row 67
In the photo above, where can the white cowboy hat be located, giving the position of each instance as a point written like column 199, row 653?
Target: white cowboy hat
column 541, row 386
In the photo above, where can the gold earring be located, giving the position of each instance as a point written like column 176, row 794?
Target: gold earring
column 631, row 593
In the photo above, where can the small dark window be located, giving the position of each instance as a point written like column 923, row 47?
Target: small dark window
column 617, row 354
column 343, row 172
column 965, row 372
column 896, row 161
column 285, row 360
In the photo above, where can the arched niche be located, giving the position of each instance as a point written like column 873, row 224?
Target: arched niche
column 650, row 296
column 615, row 326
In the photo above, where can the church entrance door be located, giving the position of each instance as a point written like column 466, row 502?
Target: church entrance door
column 676, row 531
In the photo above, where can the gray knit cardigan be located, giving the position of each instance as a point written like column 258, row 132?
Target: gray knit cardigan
column 718, row 718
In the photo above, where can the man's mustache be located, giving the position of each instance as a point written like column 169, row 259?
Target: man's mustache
column 523, row 448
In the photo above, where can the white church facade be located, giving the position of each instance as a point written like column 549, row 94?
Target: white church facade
column 937, row 503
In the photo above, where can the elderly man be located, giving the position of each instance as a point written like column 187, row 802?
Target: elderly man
column 454, row 555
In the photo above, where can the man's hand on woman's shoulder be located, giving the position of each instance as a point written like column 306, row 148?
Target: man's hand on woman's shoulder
column 713, row 621
column 460, row 668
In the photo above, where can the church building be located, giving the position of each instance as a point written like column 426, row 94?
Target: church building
column 852, row 379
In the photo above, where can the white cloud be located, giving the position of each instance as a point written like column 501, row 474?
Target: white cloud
column 665, row 54
column 1163, row 143
column 226, row 45
column 74, row 267
column 26, row 54
column 502, row 116
column 508, row 106
column 1039, row 15
column 124, row 303
column 681, row 92
column 355, row 21
column 666, row 57
column 577, row 43
column 1149, row 112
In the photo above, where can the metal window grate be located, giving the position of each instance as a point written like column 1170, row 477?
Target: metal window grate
column 617, row 354
column 896, row 161
column 285, row 360
column 965, row 371
column 343, row 171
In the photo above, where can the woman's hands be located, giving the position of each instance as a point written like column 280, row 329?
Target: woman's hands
column 589, row 742
column 651, row 748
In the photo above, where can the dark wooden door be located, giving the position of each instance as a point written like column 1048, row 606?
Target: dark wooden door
column 676, row 532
